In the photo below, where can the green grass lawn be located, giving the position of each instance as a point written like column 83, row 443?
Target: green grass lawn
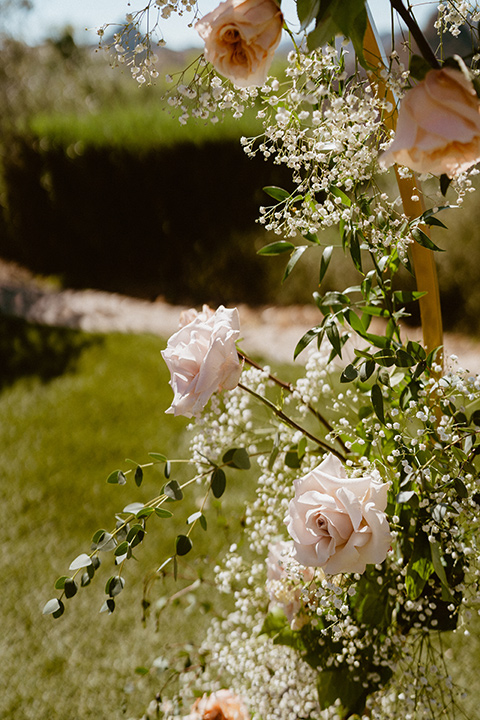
column 59, row 440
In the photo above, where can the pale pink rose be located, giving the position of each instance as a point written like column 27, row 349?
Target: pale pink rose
column 202, row 359
column 240, row 39
column 220, row 705
column 438, row 128
column 285, row 578
column 337, row 522
column 186, row 316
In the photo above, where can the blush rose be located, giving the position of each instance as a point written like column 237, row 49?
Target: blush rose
column 240, row 39
column 337, row 522
column 220, row 705
column 438, row 128
column 202, row 358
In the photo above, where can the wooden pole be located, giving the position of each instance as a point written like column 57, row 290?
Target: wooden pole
column 412, row 198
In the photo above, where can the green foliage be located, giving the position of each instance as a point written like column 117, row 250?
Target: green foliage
column 59, row 441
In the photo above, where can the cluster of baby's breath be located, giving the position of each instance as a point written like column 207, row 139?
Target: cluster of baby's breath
column 452, row 14
column 198, row 92
column 136, row 40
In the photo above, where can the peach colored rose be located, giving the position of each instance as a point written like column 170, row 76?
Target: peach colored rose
column 284, row 582
column 202, row 359
column 438, row 128
column 220, row 705
column 240, row 39
column 337, row 522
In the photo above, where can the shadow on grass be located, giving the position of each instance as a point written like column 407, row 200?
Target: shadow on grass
column 39, row 350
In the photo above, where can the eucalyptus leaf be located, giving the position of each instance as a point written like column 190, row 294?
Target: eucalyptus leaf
column 52, row 606
column 70, row 588
column 218, row 482
column 158, row 456
column 183, row 545
column 138, row 476
column 173, row 490
column 160, row 512
column 80, row 561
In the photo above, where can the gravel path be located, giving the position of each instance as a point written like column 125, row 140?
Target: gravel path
column 271, row 332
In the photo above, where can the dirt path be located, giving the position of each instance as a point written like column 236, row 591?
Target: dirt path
column 271, row 332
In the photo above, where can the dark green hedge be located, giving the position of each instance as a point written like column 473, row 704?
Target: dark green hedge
column 176, row 221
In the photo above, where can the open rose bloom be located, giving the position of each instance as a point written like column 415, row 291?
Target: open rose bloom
column 438, row 129
column 240, row 39
column 202, row 358
column 220, row 705
column 337, row 522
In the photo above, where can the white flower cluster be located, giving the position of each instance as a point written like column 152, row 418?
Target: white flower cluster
column 452, row 14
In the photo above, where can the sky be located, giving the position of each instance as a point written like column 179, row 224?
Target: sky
column 49, row 17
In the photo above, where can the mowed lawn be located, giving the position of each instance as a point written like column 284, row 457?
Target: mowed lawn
column 59, row 440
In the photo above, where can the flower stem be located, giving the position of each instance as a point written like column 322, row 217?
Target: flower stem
column 417, row 34
column 289, row 388
column 291, row 423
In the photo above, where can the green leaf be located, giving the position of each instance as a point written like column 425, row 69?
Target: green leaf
column 366, row 370
column 276, row 248
column 435, row 221
column 52, row 607
column 296, row 255
column 114, row 586
column 334, row 338
column 275, row 451
column 418, row 67
column 291, row 459
column 158, row 456
column 237, row 458
column 113, row 477
column 274, row 623
column 404, row 359
column 138, row 476
column 60, row 582
column 121, row 549
column 194, row 517
column 355, row 251
column 444, row 184
column 406, row 296
column 351, row 18
column 80, row 561
column 355, row 322
column 144, row 512
column 377, row 402
column 203, row 522
column 350, row 373
column 218, row 482
column 173, row 490
column 141, row 671
column 70, row 588
column 420, row 566
column 325, row 262
column 277, row 193
column 108, row 606
column 160, row 512
column 323, row 33
column 183, row 545
column 437, row 564
column 167, row 469
column 307, row 339
column 422, row 239
column 307, row 11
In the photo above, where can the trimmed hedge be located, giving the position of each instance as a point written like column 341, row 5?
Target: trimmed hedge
column 143, row 223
